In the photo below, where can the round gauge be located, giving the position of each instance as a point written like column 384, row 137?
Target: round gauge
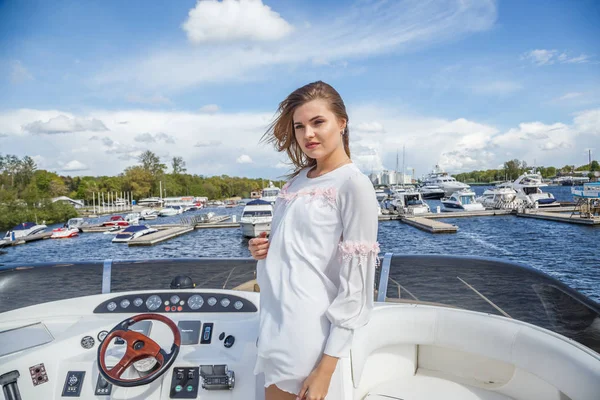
column 238, row 305
column 212, row 301
column 175, row 299
column 225, row 302
column 138, row 302
column 125, row 303
column 87, row 342
column 112, row 306
column 195, row 302
column 153, row 302
column 102, row 335
column 145, row 364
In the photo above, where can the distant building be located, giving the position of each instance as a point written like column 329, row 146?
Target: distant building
column 67, row 200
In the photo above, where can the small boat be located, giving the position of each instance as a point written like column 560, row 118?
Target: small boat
column 23, row 230
column 463, row 200
column 75, row 223
column 432, row 192
column 170, row 211
column 256, row 218
column 148, row 215
column 133, row 232
column 406, row 200
column 116, row 220
column 64, row 233
column 528, row 190
column 133, row 218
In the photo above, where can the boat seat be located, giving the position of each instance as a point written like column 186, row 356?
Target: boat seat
column 508, row 356
column 424, row 387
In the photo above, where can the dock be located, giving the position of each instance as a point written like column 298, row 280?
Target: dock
column 560, row 217
column 160, row 236
column 27, row 239
column 215, row 225
column 430, row 225
column 463, row 214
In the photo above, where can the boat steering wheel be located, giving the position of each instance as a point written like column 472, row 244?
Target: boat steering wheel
column 139, row 346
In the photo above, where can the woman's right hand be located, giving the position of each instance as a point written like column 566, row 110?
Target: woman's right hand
column 259, row 247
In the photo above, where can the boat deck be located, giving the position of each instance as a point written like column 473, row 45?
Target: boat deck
column 430, row 225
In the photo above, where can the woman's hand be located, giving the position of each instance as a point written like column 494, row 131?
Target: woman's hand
column 316, row 386
column 259, row 247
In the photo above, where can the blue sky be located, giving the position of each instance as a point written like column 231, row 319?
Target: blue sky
column 87, row 86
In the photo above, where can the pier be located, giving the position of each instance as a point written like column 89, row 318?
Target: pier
column 27, row 239
column 160, row 236
column 561, row 217
column 430, row 225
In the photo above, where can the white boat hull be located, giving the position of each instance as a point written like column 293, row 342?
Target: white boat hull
column 254, row 229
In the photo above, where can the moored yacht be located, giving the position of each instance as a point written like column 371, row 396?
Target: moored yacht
column 256, row 218
column 442, row 327
column 170, row 211
column 148, row 215
column 432, row 192
column 407, row 201
column 133, row 232
column 500, row 198
column 438, row 177
column 463, row 200
column 270, row 193
column 23, row 230
column 528, row 190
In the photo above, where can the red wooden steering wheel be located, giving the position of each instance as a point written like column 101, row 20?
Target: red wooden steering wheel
column 139, row 346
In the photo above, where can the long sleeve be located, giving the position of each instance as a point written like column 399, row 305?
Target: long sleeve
column 358, row 250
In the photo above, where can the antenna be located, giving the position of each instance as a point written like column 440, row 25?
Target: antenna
column 403, row 159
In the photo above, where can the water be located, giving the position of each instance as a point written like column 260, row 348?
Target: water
column 567, row 252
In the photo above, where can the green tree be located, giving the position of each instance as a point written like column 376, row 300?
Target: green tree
column 151, row 163
column 178, row 165
column 594, row 166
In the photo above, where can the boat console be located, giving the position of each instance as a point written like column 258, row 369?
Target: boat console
column 172, row 344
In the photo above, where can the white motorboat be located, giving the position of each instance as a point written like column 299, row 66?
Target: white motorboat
column 432, row 192
column 501, row 198
column 23, row 230
column 170, row 211
column 76, row 223
column 113, row 230
column 528, row 190
column 452, row 328
column 270, row 193
column 405, row 201
column 462, row 201
column 438, row 177
column 151, row 202
column 116, row 220
column 133, row 218
column 64, row 233
column 587, row 191
column 133, row 232
column 148, row 215
column 256, row 218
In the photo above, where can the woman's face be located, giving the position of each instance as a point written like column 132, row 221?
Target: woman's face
column 317, row 129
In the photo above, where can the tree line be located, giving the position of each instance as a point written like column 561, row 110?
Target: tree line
column 512, row 169
column 26, row 191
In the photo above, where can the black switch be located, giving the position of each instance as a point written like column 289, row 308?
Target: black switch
column 229, row 341
column 222, row 336
column 73, row 384
column 103, row 387
column 206, row 333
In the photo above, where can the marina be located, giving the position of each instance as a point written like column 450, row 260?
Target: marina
column 430, row 225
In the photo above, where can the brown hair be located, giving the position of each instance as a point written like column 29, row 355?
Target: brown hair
column 281, row 130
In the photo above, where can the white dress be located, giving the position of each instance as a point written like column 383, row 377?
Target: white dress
column 317, row 282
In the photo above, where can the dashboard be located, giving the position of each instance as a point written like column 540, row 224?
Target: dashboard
column 49, row 351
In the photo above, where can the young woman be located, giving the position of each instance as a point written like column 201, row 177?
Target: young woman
column 316, row 272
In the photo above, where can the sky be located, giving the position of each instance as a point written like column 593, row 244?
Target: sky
column 86, row 87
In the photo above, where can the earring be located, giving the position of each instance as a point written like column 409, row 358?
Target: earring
column 342, row 132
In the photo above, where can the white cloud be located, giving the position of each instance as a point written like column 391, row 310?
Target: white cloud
column 144, row 138
column 496, row 87
column 19, row 74
column 156, row 99
column 244, row 159
column 571, row 95
column 64, row 124
column 211, row 143
column 209, row 109
column 283, row 165
column 149, row 138
column 356, row 32
column 547, row 57
column 73, row 166
column 231, row 20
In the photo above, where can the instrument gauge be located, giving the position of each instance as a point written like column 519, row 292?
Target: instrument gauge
column 112, row 306
column 195, row 302
column 153, row 302
column 238, row 305
column 225, row 302
column 212, row 301
column 125, row 303
column 138, row 302
column 175, row 299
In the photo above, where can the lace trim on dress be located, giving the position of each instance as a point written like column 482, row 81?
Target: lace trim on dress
column 350, row 249
column 327, row 195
